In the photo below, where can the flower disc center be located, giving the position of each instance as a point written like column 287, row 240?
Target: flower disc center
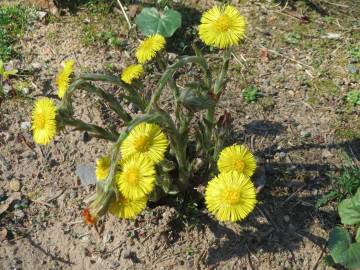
column 132, row 176
column 142, row 143
column 232, row 197
column 239, row 165
column 222, row 24
column 40, row 121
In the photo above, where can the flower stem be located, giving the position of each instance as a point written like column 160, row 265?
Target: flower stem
column 94, row 129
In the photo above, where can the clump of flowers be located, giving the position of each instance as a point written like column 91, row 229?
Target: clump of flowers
column 159, row 153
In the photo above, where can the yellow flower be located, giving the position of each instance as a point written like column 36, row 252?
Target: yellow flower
column 44, row 121
column 237, row 158
column 149, row 47
column 126, row 208
column 63, row 77
column 147, row 139
column 222, row 27
column 131, row 73
column 230, row 196
column 137, row 177
column 102, row 167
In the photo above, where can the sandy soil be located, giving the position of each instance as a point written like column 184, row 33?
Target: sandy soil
column 300, row 129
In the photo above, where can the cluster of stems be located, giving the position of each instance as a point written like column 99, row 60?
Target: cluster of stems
column 186, row 104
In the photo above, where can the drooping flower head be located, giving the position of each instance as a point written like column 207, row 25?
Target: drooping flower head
column 43, row 121
column 147, row 139
column 126, row 208
column 222, row 27
column 131, row 73
column 102, row 168
column 230, row 196
column 237, row 158
column 149, row 47
column 63, row 77
column 137, row 177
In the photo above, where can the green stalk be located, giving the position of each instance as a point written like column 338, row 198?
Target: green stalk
column 218, row 88
column 133, row 94
column 113, row 103
column 95, row 130
column 169, row 73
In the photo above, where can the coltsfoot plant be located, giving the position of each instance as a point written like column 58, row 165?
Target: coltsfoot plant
column 158, row 153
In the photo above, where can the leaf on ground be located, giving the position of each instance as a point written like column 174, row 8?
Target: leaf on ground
column 86, row 173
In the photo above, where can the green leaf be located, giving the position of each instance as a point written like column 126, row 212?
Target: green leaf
column 349, row 210
column 357, row 237
column 151, row 22
column 194, row 102
column 352, row 256
column 339, row 242
column 342, row 250
column 329, row 261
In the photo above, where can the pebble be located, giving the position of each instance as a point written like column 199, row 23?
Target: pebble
column 19, row 213
column 6, row 88
column 286, row 218
column 14, row 185
column 282, row 155
column 72, row 194
column 126, row 254
column 305, row 134
column 25, row 125
column 326, row 153
column 35, row 66
column 352, row 69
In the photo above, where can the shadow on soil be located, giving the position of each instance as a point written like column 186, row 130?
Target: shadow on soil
column 291, row 191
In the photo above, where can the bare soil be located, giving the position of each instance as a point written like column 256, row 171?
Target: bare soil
column 301, row 129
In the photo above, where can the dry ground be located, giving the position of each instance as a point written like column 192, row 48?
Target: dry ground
column 301, row 129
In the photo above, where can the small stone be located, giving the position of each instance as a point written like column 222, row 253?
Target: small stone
column 326, row 153
column 35, row 66
column 41, row 15
column 6, row 88
column 25, row 91
column 19, row 214
column 305, row 134
column 72, row 194
column 352, row 69
column 286, row 218
column 25, row 125
column 282, row 155
column 126, row 254
column 14, row 185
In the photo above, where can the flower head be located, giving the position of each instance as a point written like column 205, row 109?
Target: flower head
column 102, row 167
column 237, row 158
column 44, row 121
column 222, row 27
column 131, row 73
column 126, row 208
column 137, row 177
column 63, row 77
column 149, row 47
column 147, row 139
column 230, row 196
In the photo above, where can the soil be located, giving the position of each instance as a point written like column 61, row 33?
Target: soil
column 302, row 130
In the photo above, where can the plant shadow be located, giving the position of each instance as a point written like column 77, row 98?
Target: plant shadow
column 285, row 215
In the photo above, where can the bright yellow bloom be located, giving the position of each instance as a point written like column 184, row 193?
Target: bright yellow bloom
column 147, row 139
column 131, row 73
column 237, row 158
column 149, row 47
column 126, row 208
column 102, row 167
column 44, row 121
column 222, row 27
column 63, row 77
column 137, row 177
column 230, row 196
